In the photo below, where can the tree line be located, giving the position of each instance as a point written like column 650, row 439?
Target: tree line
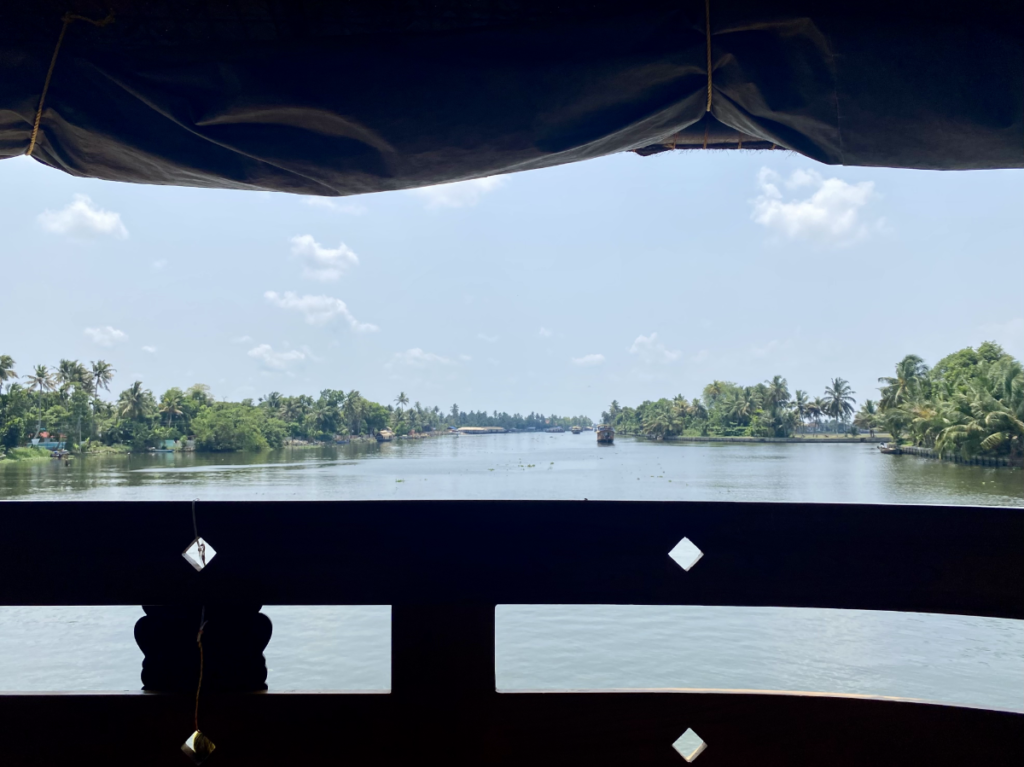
column 970, row 403
column 727, row 409
column 64, row 403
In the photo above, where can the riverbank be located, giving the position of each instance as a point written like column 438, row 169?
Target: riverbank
column 981, row 460
column 26, row 454
column 817, row 439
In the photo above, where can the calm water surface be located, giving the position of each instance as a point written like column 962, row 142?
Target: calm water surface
column 968, row 661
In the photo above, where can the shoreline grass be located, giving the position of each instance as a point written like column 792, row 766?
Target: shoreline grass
column 30, row 453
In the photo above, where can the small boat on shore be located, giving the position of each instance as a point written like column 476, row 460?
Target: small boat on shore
column 605, row 434
column 889, row 449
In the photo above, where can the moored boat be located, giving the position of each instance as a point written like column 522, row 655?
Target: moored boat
column 889, row 449
column 385, row 435
column 605, row 434
column 576, row 430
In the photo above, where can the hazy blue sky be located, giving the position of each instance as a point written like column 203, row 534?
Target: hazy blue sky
column 554, row 290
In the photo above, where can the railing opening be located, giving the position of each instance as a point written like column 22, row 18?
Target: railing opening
column 78, row 649
column 952, row 659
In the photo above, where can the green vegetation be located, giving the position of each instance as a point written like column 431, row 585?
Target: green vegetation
column 971, row 403
column 62, row 404
column 26, row 454
column 726, row 409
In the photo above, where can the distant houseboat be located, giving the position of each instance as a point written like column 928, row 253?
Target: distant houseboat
column 385, row 435
column 577, row 430
column 605, row 434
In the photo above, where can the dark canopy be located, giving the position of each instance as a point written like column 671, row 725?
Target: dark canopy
column 334, row 98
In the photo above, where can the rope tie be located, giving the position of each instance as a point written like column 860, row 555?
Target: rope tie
column 67, row 18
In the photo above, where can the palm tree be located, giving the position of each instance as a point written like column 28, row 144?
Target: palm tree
column 910, row 372
column 401, row 400
column 102, row 374
column 657, row 422
column 839, row 399
column 6, row 370
column 815, row 410
column 272, row 401
column 991, row 418
column 291, row 410
column 697, row 410
column 41, row 381
column 778, row 391
column 867, row 416
column 67, row 374
column 132, row 402
column 800, row 405
column 743, row 407
column 171, row 404
column 353, row 410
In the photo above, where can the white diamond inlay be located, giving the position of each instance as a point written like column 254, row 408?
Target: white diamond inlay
column 686, row 554
column 198, row 747
column 689, row 744
column 199, row 553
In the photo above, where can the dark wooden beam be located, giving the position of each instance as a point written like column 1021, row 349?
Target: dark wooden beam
column 939, row 559
column 537, row 729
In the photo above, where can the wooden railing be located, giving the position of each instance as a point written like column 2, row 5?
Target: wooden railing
column 444, row 566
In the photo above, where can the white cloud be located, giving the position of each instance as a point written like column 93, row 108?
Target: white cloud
column 545, row 333
column 417, row 358
column 461, row 194
column 650, row 350
column 241, row 340
column 588, row 360
column 149, row 349
column 320, row 263
column 276, row 360
column 831, row 213
column 106, row 336
column 349, row 208
column 1009, row 335
column 772, row 346
column 81, row 218
column 318, row 309
column 159, row 264
column 487, row 338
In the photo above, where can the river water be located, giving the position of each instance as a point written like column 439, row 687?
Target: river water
column 951, row 659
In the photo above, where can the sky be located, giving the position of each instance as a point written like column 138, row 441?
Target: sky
column 553, row 291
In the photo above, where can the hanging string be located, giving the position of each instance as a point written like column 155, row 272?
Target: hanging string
column 707, row 35
column 199, row 641
column 67, row 18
